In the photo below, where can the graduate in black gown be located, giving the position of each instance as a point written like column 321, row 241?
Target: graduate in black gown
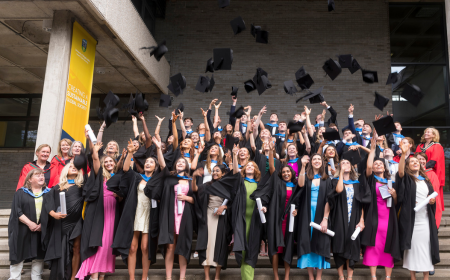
column 214, row 230
column 135, row 225
column 347, row 199
column 419, row 241
column 313, row 246
column 24, row 227
column 281, row 245
column 61, row 233
column 175, row 230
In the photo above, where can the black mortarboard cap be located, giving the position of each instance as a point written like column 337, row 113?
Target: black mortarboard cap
column 211, row 83
column 234, row 91
column 303, row 79
column 262, row 36
column 238, row 113
column 380, row 101
column 111, row 100
column 295, row 126
column 430, row 164
column 332, row 68
column 141, row 104
column 210, row 65
column 330, row 5
column 393, row 78
column 249, row 86
column 384, row 125
column 230, row 141
column 159, row 50
column 255, row 30
column 238, row 25
column 80, row 161
column 164, row 100
column 353, row 156
column 370, row 77
column 314, row 96
column 261, row 81
column 179, row 109
column 345, row 60
column 412, row 93
column 355, row 66
column 177, row 84
column 223, row 3
column 202, row 84
column 130, row 106
column 223, row 58
column 111, row 116
column 289, row 87
column 331, row 134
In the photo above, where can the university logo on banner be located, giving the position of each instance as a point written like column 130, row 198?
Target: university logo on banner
column 84, row 45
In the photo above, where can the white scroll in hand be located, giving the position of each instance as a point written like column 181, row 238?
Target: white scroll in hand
column 261, row 214
column 291, row 220
column 154, row 203
column 225, row 201
column 389, row 200
column 91, row 134
column 356, row 233
column 179, row 202
column 318, row 227
column 331, row 161
column 62, row 203
column 425, row 201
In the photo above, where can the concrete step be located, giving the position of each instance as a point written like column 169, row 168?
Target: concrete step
column 260, row 274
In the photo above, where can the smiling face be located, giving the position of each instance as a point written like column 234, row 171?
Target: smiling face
column 414, row 164
column 422, row 160
column 345, row 165
column 321, row 130
column 214, row 150
column 249, row 169
column 112, row 148
column 43, row 154
column 286, row 174
column 149, row 165
column 429, row 134
column 186, row 144
column 378, row 167
column 73, row 171
column 330, row 152
column 217, row 173
column 292, row 151
column 136, row 143
column 316, row 162
column 237, row 134
column 265, row 133
column 195, row 137
column 76, row 149
column 65, row 147
column 109, row 164
column 180, row 165
column 243, row 153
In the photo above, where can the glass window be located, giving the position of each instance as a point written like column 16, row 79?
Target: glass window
column 12, row 133
column 35, row 106
column 32, row 134
column 14, row 106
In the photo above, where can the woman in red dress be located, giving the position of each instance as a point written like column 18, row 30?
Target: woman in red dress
column 59, row 160
column 42, row 154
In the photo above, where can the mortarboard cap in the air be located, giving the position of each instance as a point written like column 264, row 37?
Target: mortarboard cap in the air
column 393, row 78
column 179, row 109
column 345, row 60
column 111, row 116
column 234, row 91
column 177, row 84
column 303, row 79
column 295, row 126
column 369, row 77
column 289, row 87
column 254, row 30
column 230, row 141
column 314, row 96
column 80, row 161
column 238, row 113
column 262, row 36
column 249, row 86
column 353, row 156
column 384, row 125
column 210, row 65
column 141, row 105
column 164, row 100
column 380, row 101
column 130, row 106
column 159, row 50
column 412, row 93
column 223, row 3
column 202, row 84
column 332, row 68
column 223, row 58
column 238, row 25
column 261, row 81
column 111, row 100
column 331, row 134
column 331, row 5
column 355, row 66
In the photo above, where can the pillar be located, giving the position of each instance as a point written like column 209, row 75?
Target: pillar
column 55, row 82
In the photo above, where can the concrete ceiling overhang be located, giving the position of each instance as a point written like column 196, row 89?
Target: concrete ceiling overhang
column 120, row 64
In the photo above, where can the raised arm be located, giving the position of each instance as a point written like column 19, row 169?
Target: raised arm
column 198, row 172
column 158, row 127
column 371, row 156
column 301, row 174
column 131, row 149
column 161, row 160
column 271, row 160
column 402, row 163
column 308, row 122
column 351, row 122
column 135, row 126
column 183, row 129
column 340, row 184
column 237, row 125
column 207, row 128
column 216, row 114
column 197, row 153
column 235, row 159
column 175, row 131
column 252, row 139
column 148, row 137
column 258, row 119
column 95, row 159
column 232, row 120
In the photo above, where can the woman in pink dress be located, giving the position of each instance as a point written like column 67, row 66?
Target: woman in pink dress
column 380, row 236
column 98, row 258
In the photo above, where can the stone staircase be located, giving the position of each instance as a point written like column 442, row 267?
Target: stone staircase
column 264, row 268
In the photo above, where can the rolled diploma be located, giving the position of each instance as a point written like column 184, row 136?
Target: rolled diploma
column 389, row 200
column 356, row 233
column 180, row 203
column 331, row 163
column 425, row 201
column 154, row 203
column 318, row 227
column 91, row 134
column 261, row 214
column 62, row 202
column 223, row 204
column 291, row 220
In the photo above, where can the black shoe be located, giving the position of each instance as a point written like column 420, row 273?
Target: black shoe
column 432, row 272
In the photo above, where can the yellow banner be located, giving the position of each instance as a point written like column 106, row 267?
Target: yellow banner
column 79, row 85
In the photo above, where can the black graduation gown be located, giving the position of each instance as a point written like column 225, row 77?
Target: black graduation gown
column 406, row 201
column 319, row 242
column 342, row 246
column 58, row 235
column 24, row 244
column 369, row 234
column 91, row 236
column 143, row 153
column 162, row 188
column 275, row 216
column 262, row 161
column 222, row 189
column 125, row 227
column 270, row 128
column 251, row 246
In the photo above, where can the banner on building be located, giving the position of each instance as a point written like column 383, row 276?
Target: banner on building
column 79, row 85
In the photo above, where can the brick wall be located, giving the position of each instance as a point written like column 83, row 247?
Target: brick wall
column 301, row 33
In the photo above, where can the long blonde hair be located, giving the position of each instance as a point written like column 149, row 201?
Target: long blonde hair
column 116, row 154
column 435, row 138
column 353, row 174
column 105, row 173
column 64, row 184
column 68, row 141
